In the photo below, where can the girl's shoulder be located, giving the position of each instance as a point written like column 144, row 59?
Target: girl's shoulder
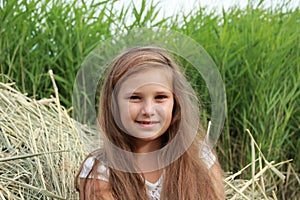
column 102, row 172
column 206, row 154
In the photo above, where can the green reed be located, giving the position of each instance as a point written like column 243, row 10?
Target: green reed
column 256, row 49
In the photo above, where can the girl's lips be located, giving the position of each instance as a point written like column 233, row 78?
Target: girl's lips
column 147, row 124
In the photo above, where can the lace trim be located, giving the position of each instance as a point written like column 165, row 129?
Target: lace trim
column 154, row 189
column 154, row 194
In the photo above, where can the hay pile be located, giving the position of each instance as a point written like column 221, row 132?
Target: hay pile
column 40, row 152
column 259, row 186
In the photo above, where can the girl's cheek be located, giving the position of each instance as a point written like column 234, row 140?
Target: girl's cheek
column 133, row 111
column 163, row 111
column 160, row 109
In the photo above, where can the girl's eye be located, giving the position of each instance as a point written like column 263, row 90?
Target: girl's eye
column 134, row 98
column 161, row 97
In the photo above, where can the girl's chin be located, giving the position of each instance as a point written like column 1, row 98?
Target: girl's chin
column 146, row 137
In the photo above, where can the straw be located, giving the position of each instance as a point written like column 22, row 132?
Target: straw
column 41, row 149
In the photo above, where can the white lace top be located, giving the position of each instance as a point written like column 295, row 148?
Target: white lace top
column 153, row 189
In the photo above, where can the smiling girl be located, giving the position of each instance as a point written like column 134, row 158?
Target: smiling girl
column 146, row 105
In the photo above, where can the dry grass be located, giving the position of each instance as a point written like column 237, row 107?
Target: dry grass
column 262, row 185
column 40, row 152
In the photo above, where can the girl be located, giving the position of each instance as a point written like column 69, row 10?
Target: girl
column 145, row 106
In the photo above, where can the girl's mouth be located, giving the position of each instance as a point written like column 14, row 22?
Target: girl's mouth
column 147, row 124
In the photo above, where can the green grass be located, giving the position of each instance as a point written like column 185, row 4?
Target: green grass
column 256, row 49
column 41, row 35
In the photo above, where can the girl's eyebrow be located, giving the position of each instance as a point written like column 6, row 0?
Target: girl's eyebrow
column 139, row 93
column 164, row 92
column 132, row 93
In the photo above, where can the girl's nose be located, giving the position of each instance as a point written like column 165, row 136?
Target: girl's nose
column 148, row 108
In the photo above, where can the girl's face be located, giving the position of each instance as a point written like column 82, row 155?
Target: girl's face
column 145, row 101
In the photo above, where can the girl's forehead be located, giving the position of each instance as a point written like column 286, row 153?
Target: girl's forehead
column 150, row 76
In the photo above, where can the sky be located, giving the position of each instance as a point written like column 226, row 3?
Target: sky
column 169, row 7
column 187, row 5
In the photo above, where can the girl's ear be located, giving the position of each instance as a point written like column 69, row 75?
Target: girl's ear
column 176, row 105
column 114, row 102
column 115, row 111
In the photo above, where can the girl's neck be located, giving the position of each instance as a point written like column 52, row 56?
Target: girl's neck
column 147, row 162
column 142, row 146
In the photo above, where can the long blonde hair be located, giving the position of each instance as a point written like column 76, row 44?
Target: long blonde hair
column 188, row 176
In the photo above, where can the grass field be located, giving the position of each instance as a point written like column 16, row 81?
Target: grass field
column 256, row 50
